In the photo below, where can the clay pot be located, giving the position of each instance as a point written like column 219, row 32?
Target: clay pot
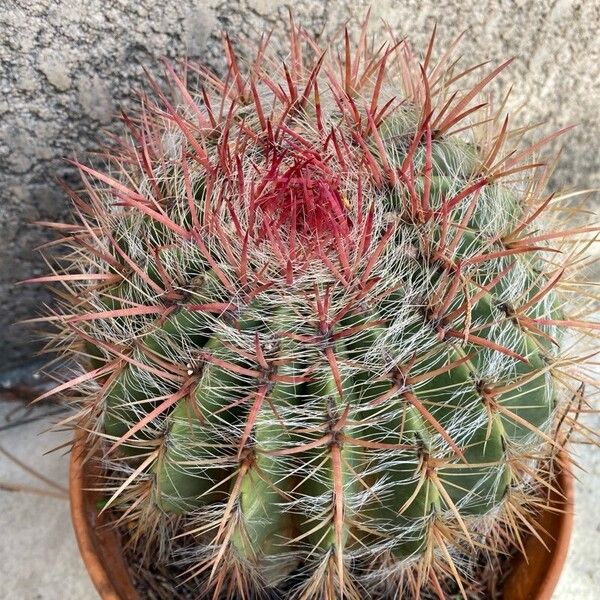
column 100, row 545
column 533, row 576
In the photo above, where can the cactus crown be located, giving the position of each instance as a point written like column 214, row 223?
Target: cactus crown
column 322, row 328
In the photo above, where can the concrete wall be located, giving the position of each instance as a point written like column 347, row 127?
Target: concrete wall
column 67, row 65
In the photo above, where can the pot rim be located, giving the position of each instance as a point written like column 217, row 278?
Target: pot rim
column 99, row 543
column 534, row 575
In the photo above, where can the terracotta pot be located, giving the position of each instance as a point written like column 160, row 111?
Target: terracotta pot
column 533, row 576
column 99, row 544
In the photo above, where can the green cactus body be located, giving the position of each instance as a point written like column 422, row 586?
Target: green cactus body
column 198, row 465
column 327, row 335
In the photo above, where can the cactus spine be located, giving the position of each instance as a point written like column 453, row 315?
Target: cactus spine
column 320, row 323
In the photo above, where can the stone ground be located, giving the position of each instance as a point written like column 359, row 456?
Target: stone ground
column 39, row 555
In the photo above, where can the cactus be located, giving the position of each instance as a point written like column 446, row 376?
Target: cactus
column 320, row 326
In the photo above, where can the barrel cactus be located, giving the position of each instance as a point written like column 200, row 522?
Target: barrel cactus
column 319, row 322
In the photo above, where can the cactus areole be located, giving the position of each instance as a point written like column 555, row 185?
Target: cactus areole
column 319, row 322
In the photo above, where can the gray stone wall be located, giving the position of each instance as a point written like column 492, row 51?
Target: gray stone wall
column 67, row 66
